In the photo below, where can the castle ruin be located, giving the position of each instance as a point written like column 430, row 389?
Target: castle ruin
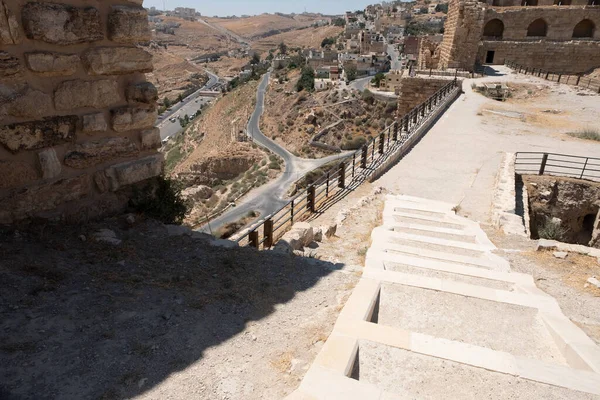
column 76, row 114
column 561, row 36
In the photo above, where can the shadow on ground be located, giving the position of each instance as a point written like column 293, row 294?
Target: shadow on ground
column 86, row 320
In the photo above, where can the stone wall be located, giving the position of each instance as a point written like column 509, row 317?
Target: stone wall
column 414, row 91
column 462, row 33
column 466, row 45
column 76, row 114
column 557, row 57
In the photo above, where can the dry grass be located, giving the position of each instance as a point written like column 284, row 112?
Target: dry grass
column 588, row 134
column 574, row 270
column 283, row 362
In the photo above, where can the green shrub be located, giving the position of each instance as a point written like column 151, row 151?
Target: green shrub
column 275, row 166
column 354, row 144
column 551, row 230
column 161, row 201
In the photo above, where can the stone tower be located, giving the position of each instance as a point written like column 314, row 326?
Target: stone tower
column 462, row 33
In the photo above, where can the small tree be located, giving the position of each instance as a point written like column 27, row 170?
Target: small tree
column 351, row 72
column 255, row 59
column 180, row 98
column 167, row 102
column 283, row 48
column 376, row 81
column 307, row 80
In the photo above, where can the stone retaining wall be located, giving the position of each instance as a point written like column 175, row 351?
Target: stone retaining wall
column 76, row 114
column 414, row 91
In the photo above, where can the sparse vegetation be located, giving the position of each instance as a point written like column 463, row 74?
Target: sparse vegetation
column 161, row 200
column 588, row 134
column 307, row 80
column 551, row 230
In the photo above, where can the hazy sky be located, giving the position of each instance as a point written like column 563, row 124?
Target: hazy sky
column 239, row 7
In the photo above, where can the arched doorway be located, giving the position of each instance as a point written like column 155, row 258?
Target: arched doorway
column 584, row 29
column 494, row 28
column 537, row 28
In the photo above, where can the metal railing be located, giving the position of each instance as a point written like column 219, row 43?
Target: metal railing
column 536, row 163
column 574, row 80
column 349, row 173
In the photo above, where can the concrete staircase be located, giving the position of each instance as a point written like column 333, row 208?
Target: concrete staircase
column 437, row 315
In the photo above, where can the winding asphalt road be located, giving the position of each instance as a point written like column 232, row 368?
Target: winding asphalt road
column 188, row 106
column 271, row 197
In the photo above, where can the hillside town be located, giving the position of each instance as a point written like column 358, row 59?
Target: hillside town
column 321, row 201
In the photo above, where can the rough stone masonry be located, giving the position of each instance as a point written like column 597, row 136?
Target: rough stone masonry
column 76, row 114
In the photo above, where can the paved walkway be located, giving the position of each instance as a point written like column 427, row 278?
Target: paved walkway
column 459, row 157
column 437, row 315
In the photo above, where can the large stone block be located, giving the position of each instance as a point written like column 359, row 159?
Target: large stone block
column 144, row 92
column 117, row 60
column 128, row 24
column 95, row 152
column 94, row 123
column 38, row 134
column 49, row 164
column 9, row 26
column 61, row 24
column 9, row 65
column 52, row 64
column 43, row 197
column 132, row 172
column 150, row 138
column 16, row 173
column 24, row 102
column 132, row 118
column 96, row 94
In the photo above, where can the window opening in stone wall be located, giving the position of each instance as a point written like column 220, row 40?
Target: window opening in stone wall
column 537, row 28
column 489, row 57
column 529, row 3
column 562, row 2
column 584, row 29
column 594, row 3
column 494, row 28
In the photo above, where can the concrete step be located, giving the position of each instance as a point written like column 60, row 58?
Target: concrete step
column 383, row 234
column 430, row 231
column 488, row 261
column 377, row 258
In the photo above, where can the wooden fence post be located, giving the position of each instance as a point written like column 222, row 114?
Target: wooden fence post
column 363, row 157
column 327, row 188
column 547, row 75
column 268, row 233
column 395, row 137
column 558, row 81
column 543, row 165
column 578, row 78
column 310, row 199
column 253, row 239
column 342, row 178
column 292, row 212
column 381, row 142
column 353, row 163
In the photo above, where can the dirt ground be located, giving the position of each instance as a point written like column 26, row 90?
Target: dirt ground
column 157, row 317
column 259, row 25
column 305, row 38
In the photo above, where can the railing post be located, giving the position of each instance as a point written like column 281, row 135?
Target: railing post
column 363, row 157
column 268, row 227
column 543, row 165
column 395, row 138
column 353, row 163
column 292, row 212
column 547, row 75
column 405, row 121
column 342, row 179
column 373, row 151
column 381, row 142
column 559, row 76
column 578, row 78
column 253, row 239
column 327, row 188
column 422, row 110
column 583, row 170
column 310, row 199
